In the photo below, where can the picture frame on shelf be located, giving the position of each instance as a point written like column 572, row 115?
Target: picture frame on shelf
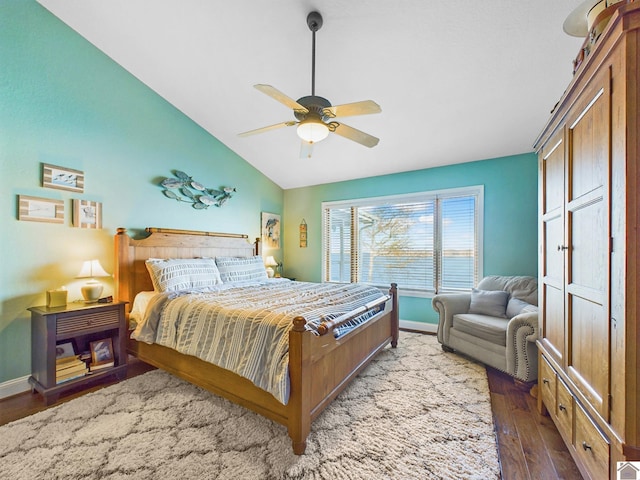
column 64, row 350
column 62, row 178
column 87, row 214
column 101, row 352
column 270, row 230
column 37, row 209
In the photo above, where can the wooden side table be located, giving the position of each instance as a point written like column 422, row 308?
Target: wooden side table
column 80, row 324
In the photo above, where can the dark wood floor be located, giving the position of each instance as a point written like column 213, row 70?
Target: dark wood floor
column 529, row 445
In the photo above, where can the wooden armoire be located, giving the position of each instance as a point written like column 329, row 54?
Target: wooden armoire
column 589, row 220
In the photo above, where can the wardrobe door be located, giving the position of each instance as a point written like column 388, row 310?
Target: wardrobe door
column 588, row 244
column 552, row 202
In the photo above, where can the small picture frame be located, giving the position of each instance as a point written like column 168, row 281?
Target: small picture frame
column 62, row 178
column 101, row 351
column 87, row 214
column 64, row 350
column 36, row 209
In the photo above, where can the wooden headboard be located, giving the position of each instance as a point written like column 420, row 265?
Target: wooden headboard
column 131, row 275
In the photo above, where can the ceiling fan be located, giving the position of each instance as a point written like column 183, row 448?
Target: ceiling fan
column 314, row 114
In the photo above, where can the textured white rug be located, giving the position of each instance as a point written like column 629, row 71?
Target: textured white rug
column 415, row 412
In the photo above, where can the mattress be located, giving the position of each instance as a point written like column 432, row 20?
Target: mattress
column 244, row 328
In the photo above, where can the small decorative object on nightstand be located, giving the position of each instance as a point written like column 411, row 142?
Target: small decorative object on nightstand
column 59, row 329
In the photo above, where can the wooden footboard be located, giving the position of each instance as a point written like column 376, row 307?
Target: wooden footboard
column 320, row 366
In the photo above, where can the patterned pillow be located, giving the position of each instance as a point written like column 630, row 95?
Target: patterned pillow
column 241, row 269
column 173, row 274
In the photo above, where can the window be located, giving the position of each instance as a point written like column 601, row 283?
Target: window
column 426, row 243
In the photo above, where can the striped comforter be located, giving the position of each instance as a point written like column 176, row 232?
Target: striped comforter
column 245, row 329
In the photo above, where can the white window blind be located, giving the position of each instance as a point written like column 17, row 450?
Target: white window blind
column 427, row 242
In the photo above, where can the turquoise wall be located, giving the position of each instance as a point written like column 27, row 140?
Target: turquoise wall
column 63, row 102
column 510, row 217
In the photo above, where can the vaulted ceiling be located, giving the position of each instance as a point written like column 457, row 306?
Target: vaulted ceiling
column 457, row 80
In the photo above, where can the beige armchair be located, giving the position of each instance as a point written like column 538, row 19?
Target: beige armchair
column 496, row 324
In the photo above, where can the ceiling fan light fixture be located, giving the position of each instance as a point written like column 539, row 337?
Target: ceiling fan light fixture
column 312, row 130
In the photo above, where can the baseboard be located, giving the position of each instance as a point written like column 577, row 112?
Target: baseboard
column 14, row 387
column 419, row 326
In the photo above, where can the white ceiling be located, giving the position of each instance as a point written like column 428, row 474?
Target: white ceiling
column 457, row 80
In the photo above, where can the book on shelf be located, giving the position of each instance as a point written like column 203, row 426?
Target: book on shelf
column 61, row 361
column 75, row 367
column 68, row 362
column 94, row 367
column 64, row 377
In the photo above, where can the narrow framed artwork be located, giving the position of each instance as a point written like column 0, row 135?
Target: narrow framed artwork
column 62, row 178
column 303, row 234
column 270, row 230
column 36, row 209
column 87, row 214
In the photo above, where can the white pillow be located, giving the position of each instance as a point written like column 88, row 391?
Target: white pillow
column 241, row 269
column 173, row 274
column 489, row 302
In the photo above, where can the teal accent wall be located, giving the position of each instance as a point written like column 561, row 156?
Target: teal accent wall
column 510, row 217
column 65, row 103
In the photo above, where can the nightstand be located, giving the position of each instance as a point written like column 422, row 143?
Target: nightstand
column 80, row 324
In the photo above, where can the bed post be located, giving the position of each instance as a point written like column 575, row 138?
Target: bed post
column 299, row 406
column 122, row 266
column 395, row 317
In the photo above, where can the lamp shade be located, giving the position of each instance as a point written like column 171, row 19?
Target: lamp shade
column 270, row 261
column 92, row 268
column 92, row 290
column 312, row 130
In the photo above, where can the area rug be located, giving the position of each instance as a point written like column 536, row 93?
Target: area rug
column 415, row 412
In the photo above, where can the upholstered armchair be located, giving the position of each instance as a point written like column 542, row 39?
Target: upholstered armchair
column 496, row 324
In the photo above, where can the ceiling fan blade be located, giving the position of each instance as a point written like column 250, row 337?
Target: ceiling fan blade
column 356, row 135
column 266, row 129
column 364, row 107
column 281, row 97
column 306, row 149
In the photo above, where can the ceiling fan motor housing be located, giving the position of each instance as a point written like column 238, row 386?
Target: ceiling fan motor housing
column 315, row 105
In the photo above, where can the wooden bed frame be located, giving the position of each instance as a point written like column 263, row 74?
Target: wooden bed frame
column 320, row 366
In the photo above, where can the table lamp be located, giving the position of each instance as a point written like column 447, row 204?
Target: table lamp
column 91, row 290
column 270, row 262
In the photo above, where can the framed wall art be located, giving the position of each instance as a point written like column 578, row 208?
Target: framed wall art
column 303, row 234
column 270, row 230
column 62, row 178
column 36, row 209
column 87, row 214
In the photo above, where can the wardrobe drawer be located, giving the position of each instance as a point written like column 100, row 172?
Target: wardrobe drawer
column 591, row 446
column 564, row 411
column 548, row 385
